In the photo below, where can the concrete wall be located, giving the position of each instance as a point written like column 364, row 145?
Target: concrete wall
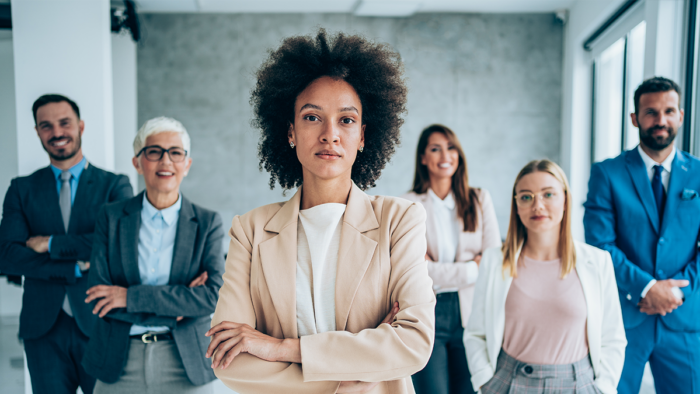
column 494, row 79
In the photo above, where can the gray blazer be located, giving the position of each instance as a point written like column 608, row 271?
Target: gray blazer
column 31, row 208
column 114, row 261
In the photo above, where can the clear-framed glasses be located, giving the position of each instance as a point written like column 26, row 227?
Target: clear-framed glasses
column 526, row 199
column 155, row 153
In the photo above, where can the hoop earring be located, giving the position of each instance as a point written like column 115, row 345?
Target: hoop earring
column 291, row 144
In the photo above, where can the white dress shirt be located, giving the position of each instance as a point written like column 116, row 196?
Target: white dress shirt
column 318, row 241
column 156, row 246
column 448, row 227
column 667, row 166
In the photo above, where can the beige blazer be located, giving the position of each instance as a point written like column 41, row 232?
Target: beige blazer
column 483, row 337
column 380, row 260
column 470, row 245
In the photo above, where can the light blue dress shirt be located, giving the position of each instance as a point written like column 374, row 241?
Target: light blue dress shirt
column 76, row 171
column 156, row 247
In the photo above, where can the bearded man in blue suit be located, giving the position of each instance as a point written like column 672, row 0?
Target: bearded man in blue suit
column 643, row 207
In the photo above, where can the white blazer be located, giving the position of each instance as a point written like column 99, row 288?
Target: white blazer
column 471, row 244
column 483, row 337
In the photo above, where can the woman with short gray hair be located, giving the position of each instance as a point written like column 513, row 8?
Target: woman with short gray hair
column 156, row 271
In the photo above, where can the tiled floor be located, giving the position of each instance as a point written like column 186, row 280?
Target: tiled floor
column 12, row 363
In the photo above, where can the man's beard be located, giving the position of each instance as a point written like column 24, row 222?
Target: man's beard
column 63, row 155
column 659, row 142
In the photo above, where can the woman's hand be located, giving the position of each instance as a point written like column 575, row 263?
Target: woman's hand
column 111, row 297
column 477, row 259
column 231, row 339
column 392, row 314
column 356, row 387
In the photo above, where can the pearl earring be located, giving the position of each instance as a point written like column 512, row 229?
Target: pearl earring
column 291, row 144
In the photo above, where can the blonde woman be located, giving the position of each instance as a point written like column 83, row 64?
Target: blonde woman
column 461, row 224
column 546, row 316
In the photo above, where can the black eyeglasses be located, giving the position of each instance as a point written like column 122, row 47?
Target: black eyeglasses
column 155, row 153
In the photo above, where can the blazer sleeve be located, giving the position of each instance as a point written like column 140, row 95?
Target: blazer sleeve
column 181, row 300
column 600, row 229
column 79, row 246
column 99, row 274
column 15, row 257
column 387, row 352
column 613, row 339
column 475, row 333
column 247, row 373
column 462, row 274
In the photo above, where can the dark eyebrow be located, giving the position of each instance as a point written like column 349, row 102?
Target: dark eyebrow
column 309, row 105
column 351, row 108
column 44, row 123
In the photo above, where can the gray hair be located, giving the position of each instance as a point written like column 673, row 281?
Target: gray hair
column 157, row 125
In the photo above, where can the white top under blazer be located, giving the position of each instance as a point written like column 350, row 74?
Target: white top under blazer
column 483, row 337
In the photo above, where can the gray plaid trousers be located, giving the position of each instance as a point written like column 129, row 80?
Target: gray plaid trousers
column 513, row 376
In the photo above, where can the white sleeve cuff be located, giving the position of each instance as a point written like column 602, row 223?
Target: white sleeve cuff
column 472, row 272
column 648, row 286
column 677, row 292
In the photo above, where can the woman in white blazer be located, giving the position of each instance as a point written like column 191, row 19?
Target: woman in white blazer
column 461, row 224
column 546, row 316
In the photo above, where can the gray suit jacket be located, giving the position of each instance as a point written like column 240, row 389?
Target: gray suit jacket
column 30, row 209
column 114, row 261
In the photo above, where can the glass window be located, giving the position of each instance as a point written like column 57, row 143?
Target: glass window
column 635, row 77
column 608, row 81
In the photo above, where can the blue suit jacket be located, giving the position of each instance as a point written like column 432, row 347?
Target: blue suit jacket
column 621, row 217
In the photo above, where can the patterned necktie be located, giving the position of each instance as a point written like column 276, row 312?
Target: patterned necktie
column 658, row 188
column 64, row 199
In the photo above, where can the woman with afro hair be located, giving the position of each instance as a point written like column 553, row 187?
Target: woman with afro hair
column 328, row 292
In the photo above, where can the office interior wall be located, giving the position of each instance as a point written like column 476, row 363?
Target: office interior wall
column 494, row 79
column 10, row 295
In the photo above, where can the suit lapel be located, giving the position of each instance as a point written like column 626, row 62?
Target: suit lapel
column 354, row 253
column 184, row 243
column 83, row 197
column 278, row 257
column 129, row 239
column 431, row 233
column 678, row 180
column 640, row 178
column 47, row 194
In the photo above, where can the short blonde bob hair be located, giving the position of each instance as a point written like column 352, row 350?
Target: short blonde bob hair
column 158, row 125
column 517, row 233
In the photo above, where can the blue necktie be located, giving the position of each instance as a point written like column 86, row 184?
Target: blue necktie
column 658, row 188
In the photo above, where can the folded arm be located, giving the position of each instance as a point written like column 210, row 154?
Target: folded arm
column 599, row 222
column 15, row 257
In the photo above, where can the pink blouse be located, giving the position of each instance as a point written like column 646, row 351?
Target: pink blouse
column 545, row 315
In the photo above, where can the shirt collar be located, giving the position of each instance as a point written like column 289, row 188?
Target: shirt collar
column 649, row 163
column 448, row 202
column 76, row 170
column 170, row 214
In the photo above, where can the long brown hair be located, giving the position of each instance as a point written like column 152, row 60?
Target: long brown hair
column 466, row 198
column 517, row 233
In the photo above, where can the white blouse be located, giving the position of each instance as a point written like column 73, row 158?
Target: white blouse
column 318, row 240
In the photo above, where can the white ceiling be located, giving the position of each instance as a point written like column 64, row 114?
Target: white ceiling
column 358, row 7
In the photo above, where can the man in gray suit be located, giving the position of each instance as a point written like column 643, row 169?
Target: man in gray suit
column 46, row 236
column 157, row 263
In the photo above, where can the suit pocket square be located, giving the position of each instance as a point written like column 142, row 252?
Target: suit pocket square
column 688, row 194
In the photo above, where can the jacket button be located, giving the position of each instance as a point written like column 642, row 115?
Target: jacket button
column 528, row 369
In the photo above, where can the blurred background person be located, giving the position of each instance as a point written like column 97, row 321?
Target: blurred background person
column 546, row 317
column 327, row 292
column 157, row 265
column 461, row 223
column 643, row 208
column 46, row 240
